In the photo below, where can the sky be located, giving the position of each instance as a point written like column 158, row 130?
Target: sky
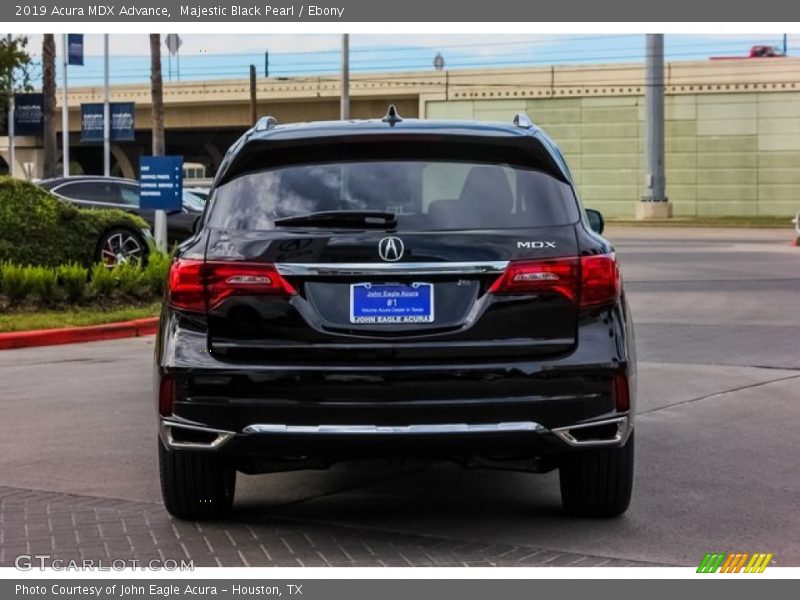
column 207, row 57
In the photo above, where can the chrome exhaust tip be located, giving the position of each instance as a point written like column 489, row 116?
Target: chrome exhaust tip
column 184, row 436
column 609, row 432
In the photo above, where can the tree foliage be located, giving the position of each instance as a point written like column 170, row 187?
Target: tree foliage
column 15, row 70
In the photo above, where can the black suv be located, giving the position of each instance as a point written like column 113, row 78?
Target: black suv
column 395, row 288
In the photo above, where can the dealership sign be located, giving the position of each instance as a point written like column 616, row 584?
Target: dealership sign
column 122, row 122
column 161, row 182
column 28, row 114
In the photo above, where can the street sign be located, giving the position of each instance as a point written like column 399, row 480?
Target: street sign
column 173, row 42
column 122, row 122
column 28, row 114
column 75, row 49
column 161, row 182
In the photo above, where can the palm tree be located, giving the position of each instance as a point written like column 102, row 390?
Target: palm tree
column 157, row 94
column 49, row 105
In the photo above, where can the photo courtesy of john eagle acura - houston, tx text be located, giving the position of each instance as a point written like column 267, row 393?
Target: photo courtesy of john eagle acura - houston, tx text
column 395, row 288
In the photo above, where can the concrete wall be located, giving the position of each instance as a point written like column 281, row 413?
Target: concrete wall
column 28, row 154
column 735, row 153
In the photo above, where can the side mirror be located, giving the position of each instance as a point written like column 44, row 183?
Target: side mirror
column 198, row 220
column 596, row 221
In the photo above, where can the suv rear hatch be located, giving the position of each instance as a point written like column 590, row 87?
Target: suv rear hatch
column 406, row 250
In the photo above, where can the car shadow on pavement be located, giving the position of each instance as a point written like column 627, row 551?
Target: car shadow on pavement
column 361, row 492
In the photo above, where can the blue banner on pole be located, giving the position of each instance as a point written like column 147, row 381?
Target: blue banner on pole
column 75, row 49
column 91, row 122
column 123, row 122
column 123, row 126
column 28, row 114
column 161, row 182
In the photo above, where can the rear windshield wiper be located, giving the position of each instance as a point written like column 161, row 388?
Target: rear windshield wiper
column 342, row 218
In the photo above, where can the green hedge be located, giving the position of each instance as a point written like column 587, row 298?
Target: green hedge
column 71, row 284
column 36, row 228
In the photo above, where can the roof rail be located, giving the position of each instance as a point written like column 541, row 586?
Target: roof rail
column 523, row 120
column 265, row 123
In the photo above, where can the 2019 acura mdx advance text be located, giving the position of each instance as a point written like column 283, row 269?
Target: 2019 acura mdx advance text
column 397, row 288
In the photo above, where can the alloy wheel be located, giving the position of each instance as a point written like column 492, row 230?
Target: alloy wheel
column 120, row 248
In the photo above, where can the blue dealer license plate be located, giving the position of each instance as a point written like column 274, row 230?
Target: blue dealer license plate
column 391, row 303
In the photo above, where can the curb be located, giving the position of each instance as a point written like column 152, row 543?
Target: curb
column 688, row 224
column 73, row 335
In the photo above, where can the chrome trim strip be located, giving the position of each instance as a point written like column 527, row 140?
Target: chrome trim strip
column 426, row 428
column 563, row 433
column 622, row 429
column 167, row 427
column 397, row 268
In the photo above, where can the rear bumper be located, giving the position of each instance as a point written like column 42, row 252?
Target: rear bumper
column 511, row 410
column 265, row 447
column 268, row 434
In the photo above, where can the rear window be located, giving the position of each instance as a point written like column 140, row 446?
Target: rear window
column 425, row 195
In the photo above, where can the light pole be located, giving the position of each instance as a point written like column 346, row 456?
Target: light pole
column 65, row 112
column 106, row 111
column 345, row 102
column 253, row 98
column 654, row 204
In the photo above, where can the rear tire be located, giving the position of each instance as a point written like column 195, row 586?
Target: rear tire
column 597, row 482
column 196, row 485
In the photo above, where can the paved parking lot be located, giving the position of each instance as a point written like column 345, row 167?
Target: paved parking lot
column 718, row 333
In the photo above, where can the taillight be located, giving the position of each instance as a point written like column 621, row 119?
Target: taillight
column 558, row 275
column 226, row 279
column 599, row 280
column 166, row 395
column 590, row 281
column 622, row 393
column 192, row 283
column 185, row 288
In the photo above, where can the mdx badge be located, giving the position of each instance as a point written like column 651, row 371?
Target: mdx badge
column 391, row 249
column 535, row 245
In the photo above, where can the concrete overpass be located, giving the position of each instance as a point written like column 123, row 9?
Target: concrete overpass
column 204, row 117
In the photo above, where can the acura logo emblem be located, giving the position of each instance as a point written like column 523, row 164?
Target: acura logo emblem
column 391, row 249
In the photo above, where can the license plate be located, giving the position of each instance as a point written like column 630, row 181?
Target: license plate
column 391, row 303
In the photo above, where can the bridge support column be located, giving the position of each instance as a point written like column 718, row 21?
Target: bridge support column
column 123, row 160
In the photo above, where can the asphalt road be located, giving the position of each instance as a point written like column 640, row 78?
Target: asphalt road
column 718, row 338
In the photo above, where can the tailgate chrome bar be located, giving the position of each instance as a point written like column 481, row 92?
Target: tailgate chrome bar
column 408, row 268
column 219, row 437
column 427, row 428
